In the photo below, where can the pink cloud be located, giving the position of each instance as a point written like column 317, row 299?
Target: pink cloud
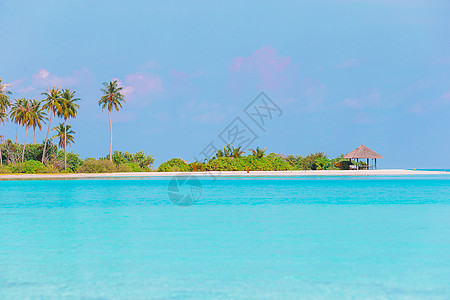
column 178, row 75
column 353, row 103
column 44, row 79
column 141, row 84
column 348, row 63
column 265, row 64
column 446, row 96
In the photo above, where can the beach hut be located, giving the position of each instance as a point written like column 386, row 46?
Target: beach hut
column 364, row 152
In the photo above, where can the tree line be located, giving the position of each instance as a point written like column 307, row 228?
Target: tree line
column 57, row 102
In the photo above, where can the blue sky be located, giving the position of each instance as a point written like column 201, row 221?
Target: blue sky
column 343, row 72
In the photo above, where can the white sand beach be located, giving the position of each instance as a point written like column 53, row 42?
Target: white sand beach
column 385, row 172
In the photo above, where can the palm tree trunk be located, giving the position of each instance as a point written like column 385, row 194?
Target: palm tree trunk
column 25, row 143
column 1, row 156
column 17, row 132
column 110, row 130
column 46, row 138
column 34, row 140
column 65, row 144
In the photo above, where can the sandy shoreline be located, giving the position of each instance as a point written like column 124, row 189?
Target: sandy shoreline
column 385, row 172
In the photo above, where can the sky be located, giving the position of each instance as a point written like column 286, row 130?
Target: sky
column 341, row 72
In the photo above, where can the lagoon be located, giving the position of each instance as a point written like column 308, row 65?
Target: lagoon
column 261, row 238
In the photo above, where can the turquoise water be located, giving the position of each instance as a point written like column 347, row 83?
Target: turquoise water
column 265, row 238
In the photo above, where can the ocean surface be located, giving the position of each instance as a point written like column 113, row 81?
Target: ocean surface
column 243, row 238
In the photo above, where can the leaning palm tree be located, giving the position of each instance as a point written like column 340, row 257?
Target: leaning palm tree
column 52, row 104
column 16, row 109
column 68, row 110
column 65, row 135
column 26, row 117
column 112, row 98
column 40, row 116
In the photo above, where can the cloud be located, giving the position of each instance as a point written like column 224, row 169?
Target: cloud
column 370, row 100
column 264, row 68
column 350, row 63
column 446, row 97
column 44, row 79
column 140, row 84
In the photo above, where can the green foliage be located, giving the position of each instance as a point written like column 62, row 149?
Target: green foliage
column 73, row 161
column 130, row 167
column 51, row 169
column 258, row 152
column 220, row 164
column 294, row 160
column 139, row 159
column 5, row 169
column 320, row 162
column 28, row 167
column 338, row 163
column 12, row 152
column 229, row 151
column 174, row 165
column 197, row 166
column 248, row 163
column 92, row 165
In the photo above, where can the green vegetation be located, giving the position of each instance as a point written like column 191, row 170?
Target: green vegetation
column 58, row 161
column 174, row 165
column 233, row 159
column 46, row 157
column 62, row 103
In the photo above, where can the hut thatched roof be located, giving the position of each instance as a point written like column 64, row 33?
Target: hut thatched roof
column 363, row 152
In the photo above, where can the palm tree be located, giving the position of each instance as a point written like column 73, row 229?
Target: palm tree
column 25, row 117
column 112, row 98
column 69, row 110
column 3, row 118
column 5, row 103
column 65, row 135
column 236, row 152
column 4, row 98
column 16, row 108
column 52, row 104
column 40, row 116
column 258, row 152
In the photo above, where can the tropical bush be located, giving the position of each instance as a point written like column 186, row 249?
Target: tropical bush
column 28, row 167
column 12, row 152
column 139, row 159
column 174, row 165
column 197, row 166
column 4, row 169
column 271, row 162
column 73, row 161
column 92, row 165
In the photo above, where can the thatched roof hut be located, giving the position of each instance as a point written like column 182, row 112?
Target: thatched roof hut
column 363, row 152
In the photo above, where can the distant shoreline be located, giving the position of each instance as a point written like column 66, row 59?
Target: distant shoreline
column 224, row 174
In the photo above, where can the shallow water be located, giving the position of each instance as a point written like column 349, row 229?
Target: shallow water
column 277, row 238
